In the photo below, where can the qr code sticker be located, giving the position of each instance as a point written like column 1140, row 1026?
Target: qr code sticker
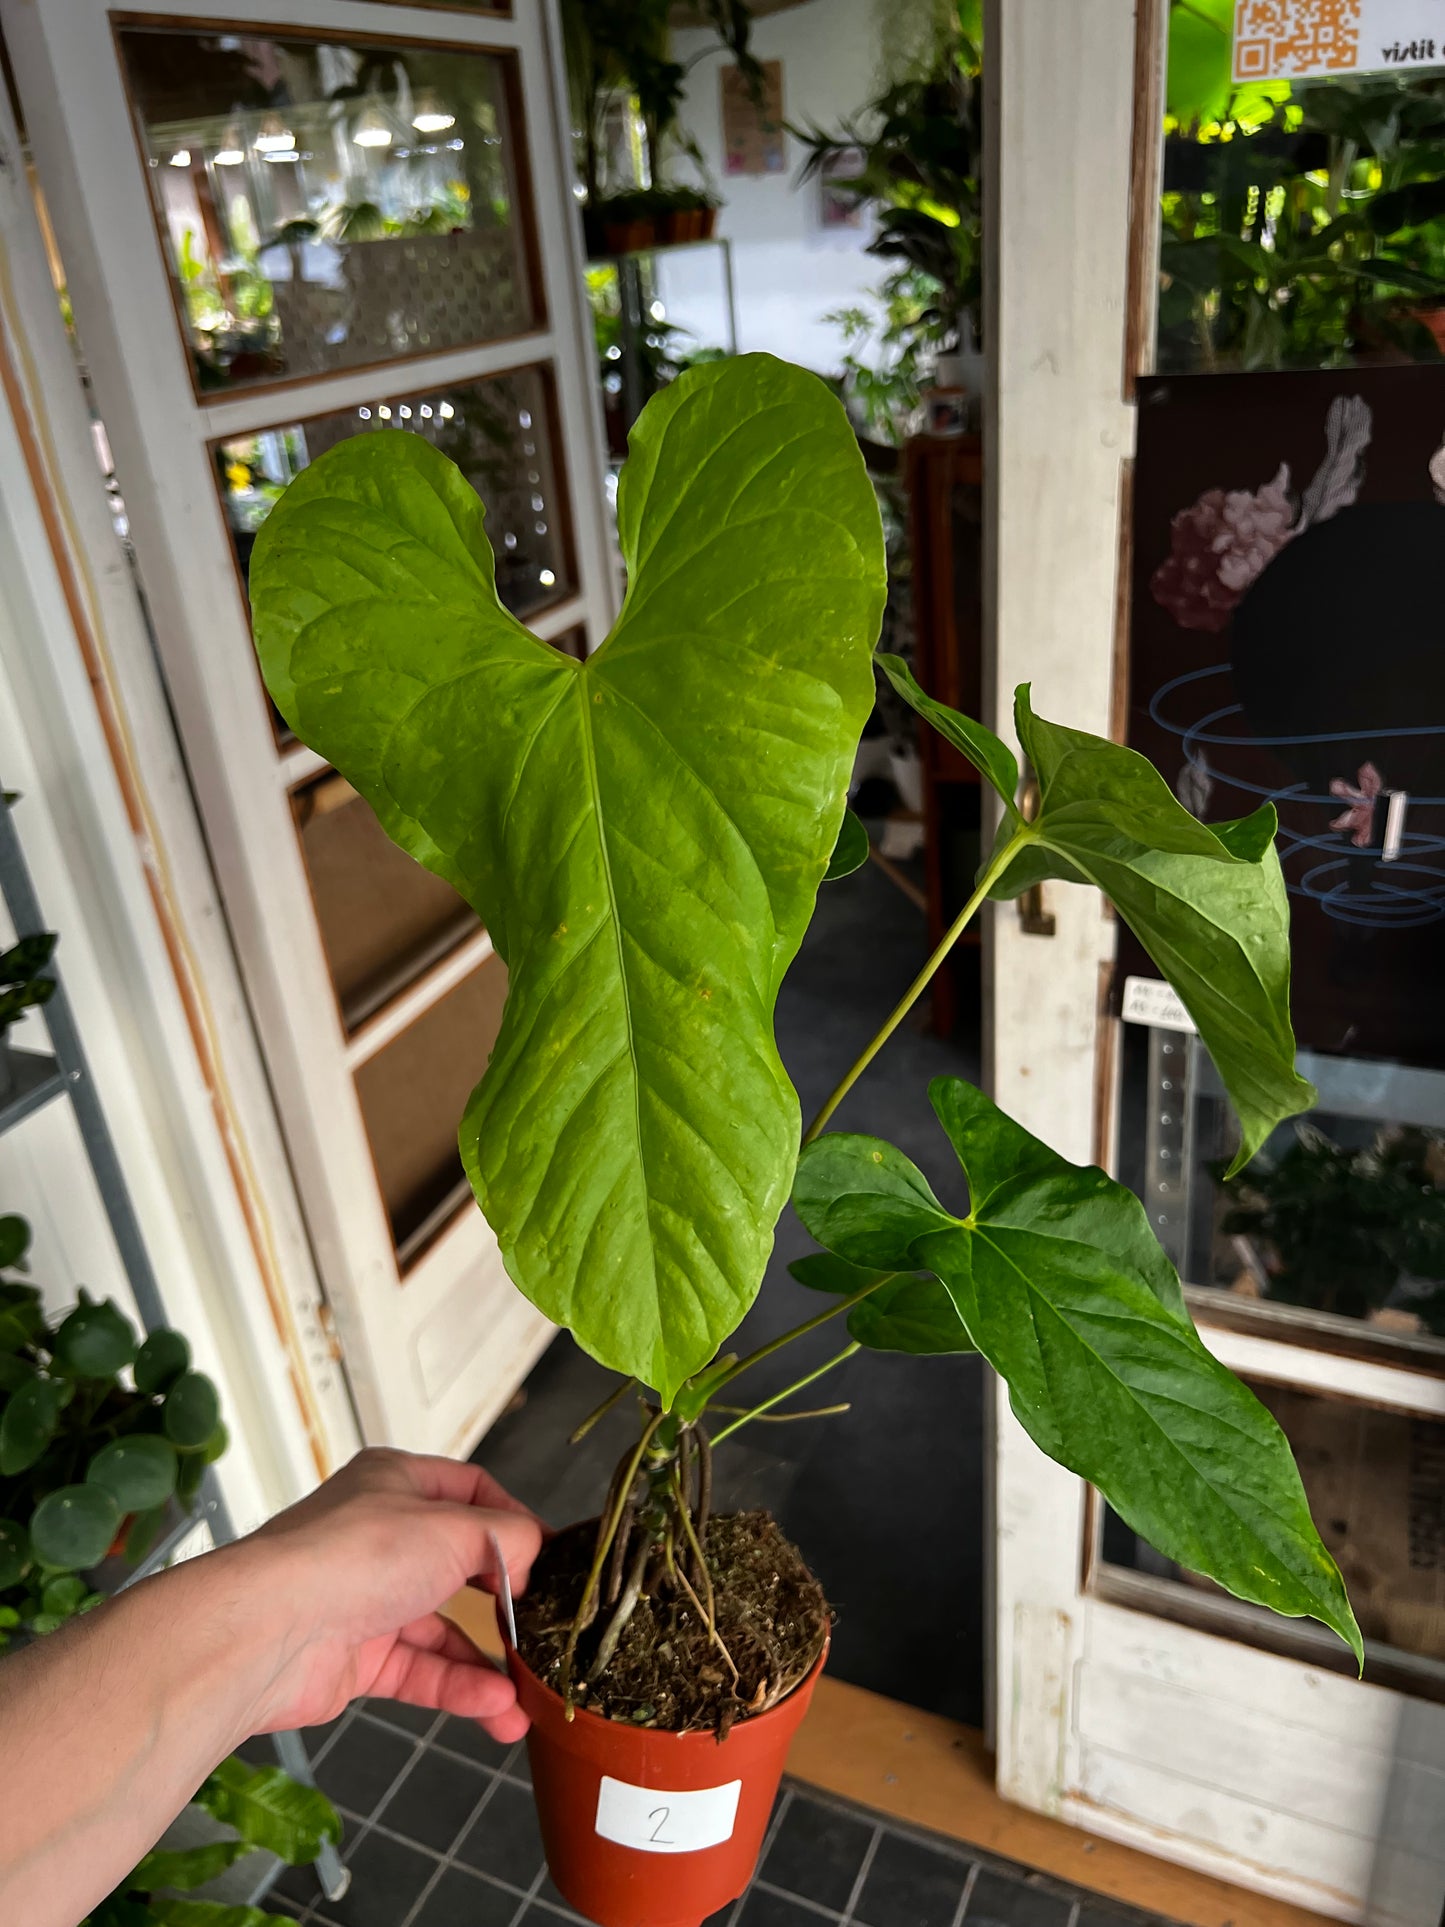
column 1274, row 38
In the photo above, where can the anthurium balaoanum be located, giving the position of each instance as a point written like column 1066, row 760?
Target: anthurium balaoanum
column 644, row 834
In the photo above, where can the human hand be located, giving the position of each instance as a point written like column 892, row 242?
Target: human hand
column 355, row 1574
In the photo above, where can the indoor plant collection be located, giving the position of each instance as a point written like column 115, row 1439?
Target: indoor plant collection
column 89, row 1463
column 644, row 834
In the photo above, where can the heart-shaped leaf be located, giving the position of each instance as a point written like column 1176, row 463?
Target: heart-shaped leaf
column 1062, row 1287
column 903, row 1312
column 989, row 754
column 74, row 1527
column 643, row 833
column 139, row 1472
column 95, row 1341
column 28, row 1424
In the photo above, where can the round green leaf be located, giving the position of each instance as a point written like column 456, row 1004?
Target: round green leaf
column 145, row 1530
column 138, row 1472
column 192, row 1411
column 28, row 1424
column 95, row 1341
column 14, row 1240
column 74, row 1527
column 160, row 1362
column 14, row 1372
column 217, row 1444
column 850, row 852
column 63, row 1596
column 14, row 1553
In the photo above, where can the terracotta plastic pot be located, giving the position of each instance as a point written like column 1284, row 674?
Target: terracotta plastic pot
column 646, row 1829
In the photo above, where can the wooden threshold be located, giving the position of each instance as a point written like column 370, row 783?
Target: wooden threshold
column 930, row 1772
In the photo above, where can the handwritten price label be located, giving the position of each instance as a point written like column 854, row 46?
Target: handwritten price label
column 658, row 1822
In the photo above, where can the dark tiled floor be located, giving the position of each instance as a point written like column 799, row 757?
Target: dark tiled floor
column 887, row 1500
column 443, row 1834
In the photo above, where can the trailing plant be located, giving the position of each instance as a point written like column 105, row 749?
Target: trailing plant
column 1302, row 226
column 90, row 1459
column 263, row 1811
column 644, row 834
column 25, row 980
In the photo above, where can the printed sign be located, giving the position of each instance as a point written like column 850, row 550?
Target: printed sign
column 752, row 121
column 1306, row 39
column 657, row 1822
column 1148, row 1000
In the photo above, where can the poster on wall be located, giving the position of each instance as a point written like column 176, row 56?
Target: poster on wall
column 1287, row 644
column 1308, row 39
column 752, row 126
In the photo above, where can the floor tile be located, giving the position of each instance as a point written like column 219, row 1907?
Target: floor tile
column 411, row 1719
column 504, row 1840
column 468, row 1738
column 296, row 1886
column 435, row 1800
column 362, row 1764
column 911, row 1885
column 462, row 1899
column 386, row 1880
column 762, row 1909
column 817, row 1852
column 999, row 1901
column 551, row 1895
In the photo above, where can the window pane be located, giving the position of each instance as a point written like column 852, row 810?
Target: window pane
column 413, row 1094
column 383, row 917
column 1302, row 221
column 330, row 206
column 499, row 432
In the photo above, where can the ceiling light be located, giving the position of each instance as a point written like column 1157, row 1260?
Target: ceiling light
column 446, row 411
column 230, row 157
column 372, row 130
column 283, row 155
column 547, row 578
column 430, row 116
column 181, row 157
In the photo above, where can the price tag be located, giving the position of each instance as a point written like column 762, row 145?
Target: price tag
column 1148, row 1000
column 657, row 1822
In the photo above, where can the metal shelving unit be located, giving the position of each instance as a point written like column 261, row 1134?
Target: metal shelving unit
column 35, row 1079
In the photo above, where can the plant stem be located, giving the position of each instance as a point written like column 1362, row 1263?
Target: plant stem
column 799, row 1331
column 604, row 1542
column 787, row 1392
column 921, row 982
column 602, row 1410
column 784, row 1418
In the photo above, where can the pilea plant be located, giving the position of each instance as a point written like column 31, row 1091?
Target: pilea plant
column 87, row 1461
column 644, row 834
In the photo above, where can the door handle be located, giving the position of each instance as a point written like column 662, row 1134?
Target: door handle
column 1035, row 920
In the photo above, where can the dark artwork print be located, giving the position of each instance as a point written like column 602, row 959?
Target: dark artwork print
column 1288, row 643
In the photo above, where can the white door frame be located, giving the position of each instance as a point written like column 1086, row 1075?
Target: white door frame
column 119, row 285
column 1276, row 1774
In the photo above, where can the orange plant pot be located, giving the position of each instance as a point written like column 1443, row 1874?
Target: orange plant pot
column 647, row 1829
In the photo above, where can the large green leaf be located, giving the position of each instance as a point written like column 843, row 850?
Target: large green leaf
column 188, row 1867
column 643, row 833
column 1207, row 901
column 903, row 1312
column 989, row 754
column 269, row 1809
column 1064, row 1290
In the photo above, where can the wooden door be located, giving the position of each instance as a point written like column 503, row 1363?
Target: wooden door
column 275, row 235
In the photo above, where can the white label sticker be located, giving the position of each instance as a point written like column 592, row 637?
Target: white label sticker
column 657, row 1822
column 1147, row 1000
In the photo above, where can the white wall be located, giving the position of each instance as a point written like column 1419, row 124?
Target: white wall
column 789, row 270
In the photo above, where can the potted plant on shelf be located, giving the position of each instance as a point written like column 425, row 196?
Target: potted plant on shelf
column 90, row 1465
column 25, row 984
column 245, row 1810
column 644, row 834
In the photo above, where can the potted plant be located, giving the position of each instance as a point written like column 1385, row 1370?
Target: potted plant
column 644, row 834
column 25, row 984
column 246, row 1810
column 90, row 1464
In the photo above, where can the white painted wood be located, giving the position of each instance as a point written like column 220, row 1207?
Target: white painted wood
column 1279, row 1775
column 430, row 1357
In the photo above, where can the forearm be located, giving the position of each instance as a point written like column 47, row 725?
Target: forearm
column 108, row 1727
